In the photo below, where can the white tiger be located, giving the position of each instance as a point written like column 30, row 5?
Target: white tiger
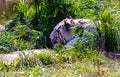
column 63, row 34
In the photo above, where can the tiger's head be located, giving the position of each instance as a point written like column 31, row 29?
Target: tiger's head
column 69, row 22
column 62, row 32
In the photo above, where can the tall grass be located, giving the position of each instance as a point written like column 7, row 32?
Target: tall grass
column 42, row 16
column 109, row 29
column 80, row 60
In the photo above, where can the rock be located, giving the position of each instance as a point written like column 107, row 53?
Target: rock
column 18, row 55
column 2, row 28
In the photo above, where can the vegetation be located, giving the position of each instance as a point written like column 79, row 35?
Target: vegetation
column 69, row 62
column 41, row 16
column 30, row 28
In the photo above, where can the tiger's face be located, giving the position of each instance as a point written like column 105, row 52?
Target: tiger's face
column 76, row 22
column 62, row 32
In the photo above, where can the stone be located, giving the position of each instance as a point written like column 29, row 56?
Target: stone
column 2, row 28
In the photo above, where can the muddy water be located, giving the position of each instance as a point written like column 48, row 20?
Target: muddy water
column 7, row 5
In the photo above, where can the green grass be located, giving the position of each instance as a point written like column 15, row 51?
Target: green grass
column 65, row 64
column 78, row 61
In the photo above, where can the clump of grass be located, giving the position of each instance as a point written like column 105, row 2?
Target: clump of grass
column 109, row 30
column 68, row 62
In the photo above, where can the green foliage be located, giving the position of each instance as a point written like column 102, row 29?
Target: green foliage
column 6, row 42
column 42, row 16
column 80, row 60
column 47, row 15
column 21, row 9
column 85, row 8
column 5, row 15
column 109, row 29
column 11, row 24
column 20, row 39
column 54, row 63
column 86, row 39
column 77, row 31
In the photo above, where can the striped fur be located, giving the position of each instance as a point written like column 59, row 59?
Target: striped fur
column 62, row 32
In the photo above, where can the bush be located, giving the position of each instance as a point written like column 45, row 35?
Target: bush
column 21, row 38
column 47, row 15
column 109, row 35
column 41, row 16
column 6, row 42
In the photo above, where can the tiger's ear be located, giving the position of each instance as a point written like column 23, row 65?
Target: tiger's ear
column 68, row 17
